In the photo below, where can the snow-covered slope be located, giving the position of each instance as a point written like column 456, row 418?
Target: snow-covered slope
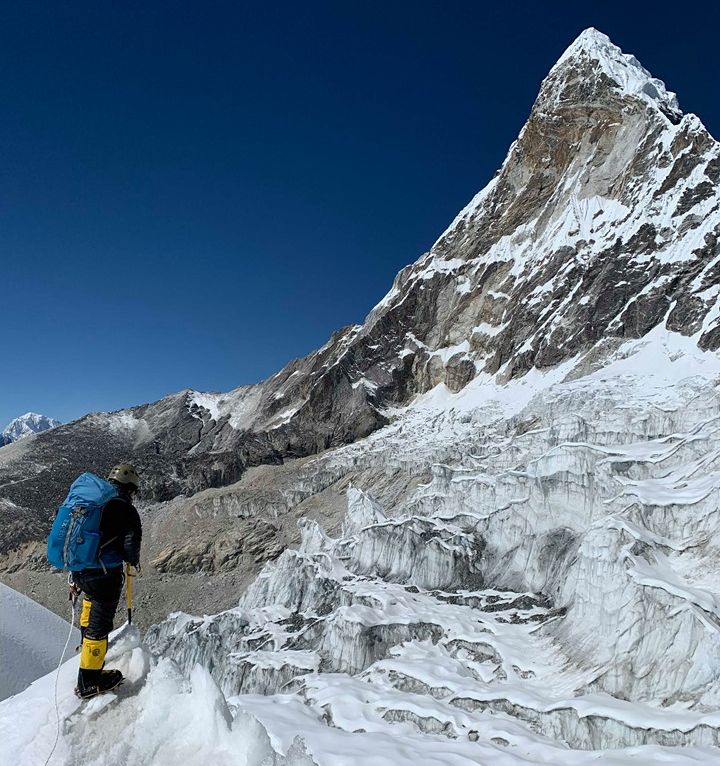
column 31, row 641
column 156, row 717
column 26, row 425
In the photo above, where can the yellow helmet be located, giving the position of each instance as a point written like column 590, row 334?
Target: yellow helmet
column 124, row 473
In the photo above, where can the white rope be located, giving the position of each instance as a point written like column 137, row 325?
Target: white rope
column 57, row 676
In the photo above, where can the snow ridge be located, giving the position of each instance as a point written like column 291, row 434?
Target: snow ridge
column 629, row 74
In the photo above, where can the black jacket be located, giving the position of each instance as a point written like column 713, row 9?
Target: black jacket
column 120, row 528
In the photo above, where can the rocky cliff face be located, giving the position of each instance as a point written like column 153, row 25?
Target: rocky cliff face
column 602, row 223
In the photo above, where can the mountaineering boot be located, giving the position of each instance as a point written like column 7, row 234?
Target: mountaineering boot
column 92, row 679
column 105, row 681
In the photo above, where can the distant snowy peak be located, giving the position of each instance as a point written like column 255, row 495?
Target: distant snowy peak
column 26, row 425
column 597, row 50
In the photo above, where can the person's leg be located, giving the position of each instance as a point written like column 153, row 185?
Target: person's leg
column 102, row 592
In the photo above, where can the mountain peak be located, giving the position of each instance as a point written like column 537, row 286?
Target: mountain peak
column 26, row 425
column 593, row 42
column 593, row 49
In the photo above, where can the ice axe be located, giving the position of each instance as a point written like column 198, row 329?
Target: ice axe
column 127, row 629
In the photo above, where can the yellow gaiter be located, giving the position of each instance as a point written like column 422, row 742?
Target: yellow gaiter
column 92, row 654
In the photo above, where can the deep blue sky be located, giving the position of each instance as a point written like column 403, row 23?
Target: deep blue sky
column 195, row 193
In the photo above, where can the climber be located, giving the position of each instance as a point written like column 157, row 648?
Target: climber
column 120, row 537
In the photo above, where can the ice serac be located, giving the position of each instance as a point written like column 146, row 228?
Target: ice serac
column 586, row 631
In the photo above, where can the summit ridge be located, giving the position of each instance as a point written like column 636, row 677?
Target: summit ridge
column 625, row 70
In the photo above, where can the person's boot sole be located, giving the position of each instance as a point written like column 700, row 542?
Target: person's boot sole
column 90, row 694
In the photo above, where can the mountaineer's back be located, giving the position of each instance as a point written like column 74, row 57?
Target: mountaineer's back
column 96, row 531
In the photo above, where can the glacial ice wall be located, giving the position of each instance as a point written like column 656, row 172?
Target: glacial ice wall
column 554, row 583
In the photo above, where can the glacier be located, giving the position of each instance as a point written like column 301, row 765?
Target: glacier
column 548, row 592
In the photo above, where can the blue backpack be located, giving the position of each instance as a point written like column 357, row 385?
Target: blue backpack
column 74, row 541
